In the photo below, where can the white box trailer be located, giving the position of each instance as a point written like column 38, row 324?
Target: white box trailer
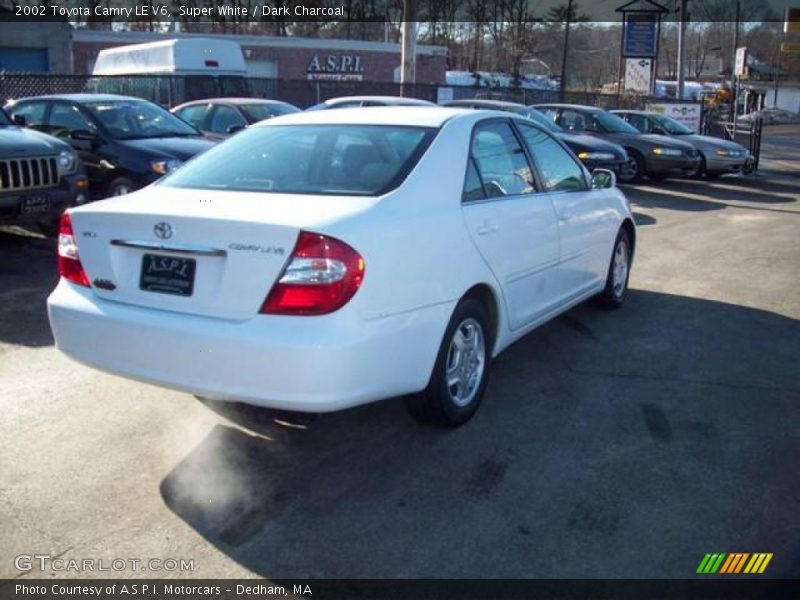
column 182, row 56
column 180, row 69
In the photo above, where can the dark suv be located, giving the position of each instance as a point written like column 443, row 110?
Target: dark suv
column 40, row 176
column 125, row 143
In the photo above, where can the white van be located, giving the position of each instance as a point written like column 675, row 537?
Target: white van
column 182, row 69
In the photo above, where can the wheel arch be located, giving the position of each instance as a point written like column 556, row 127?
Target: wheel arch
column 486, row 295
column 630, row 228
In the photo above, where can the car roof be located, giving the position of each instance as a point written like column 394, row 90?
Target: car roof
column 412, row 116
column 83, row 98
column 234, row 101
column 632, row 112
column 484, row 102
column 393, row 99
column 582, row 107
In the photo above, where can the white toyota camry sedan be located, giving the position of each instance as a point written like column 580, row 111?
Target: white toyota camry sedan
column 323, row 260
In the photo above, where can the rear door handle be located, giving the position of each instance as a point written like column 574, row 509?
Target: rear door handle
column 487, row 229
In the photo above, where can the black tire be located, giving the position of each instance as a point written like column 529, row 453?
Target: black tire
column 634, row 169
column 612, row 295
column 435, row 405
column 118, row 186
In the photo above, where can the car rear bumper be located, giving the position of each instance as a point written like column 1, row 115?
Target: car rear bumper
column 307, row 364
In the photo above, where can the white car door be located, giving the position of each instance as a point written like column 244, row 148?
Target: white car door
column 586, row 222
column 513, row 226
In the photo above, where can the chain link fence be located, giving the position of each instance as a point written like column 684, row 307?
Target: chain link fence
column 172, row 90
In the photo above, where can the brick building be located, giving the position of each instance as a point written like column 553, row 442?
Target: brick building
column 286, row 57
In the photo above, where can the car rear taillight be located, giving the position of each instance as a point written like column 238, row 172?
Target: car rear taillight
column 322, row 275
column 69, row 263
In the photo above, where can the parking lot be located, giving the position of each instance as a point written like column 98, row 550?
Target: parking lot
column 610, row 444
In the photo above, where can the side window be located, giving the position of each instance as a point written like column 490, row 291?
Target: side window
column 33, row 113
column 66, row 118
column 501, row 161
column 194, row 115
column 641, row 123
column 225, row 117
column 560, row 172
column 577, row 121
column 473, row 187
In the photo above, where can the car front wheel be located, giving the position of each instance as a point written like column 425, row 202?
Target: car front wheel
column 461, row 371
column 633, row 170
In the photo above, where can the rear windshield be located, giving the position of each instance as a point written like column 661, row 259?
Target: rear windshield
column 260, row 111
column 364, row 160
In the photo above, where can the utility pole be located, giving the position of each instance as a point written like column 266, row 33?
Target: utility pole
column 682, row 16
column 563, row 82
column 408, row 59
column 734, row 86
column 778, row 69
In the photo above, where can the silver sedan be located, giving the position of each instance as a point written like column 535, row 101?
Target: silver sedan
column 718, row 156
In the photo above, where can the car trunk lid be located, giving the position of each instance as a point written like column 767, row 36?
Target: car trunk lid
column 201, row 252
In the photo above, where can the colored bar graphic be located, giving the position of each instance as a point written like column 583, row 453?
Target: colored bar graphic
column 765, row 563
column 740, row 564
column 727, row 564
column 754, row 562
column 703, row 563
column 718, row 562
column 734, row 563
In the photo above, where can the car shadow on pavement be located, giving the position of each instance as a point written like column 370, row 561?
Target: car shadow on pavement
column 28, row 273
column 708, row 195
column 653, row 431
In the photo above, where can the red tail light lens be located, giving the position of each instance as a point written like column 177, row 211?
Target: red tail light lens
column 69, row 263
column 321, row 277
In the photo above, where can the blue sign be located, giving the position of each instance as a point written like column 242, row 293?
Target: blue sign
column 640, row 35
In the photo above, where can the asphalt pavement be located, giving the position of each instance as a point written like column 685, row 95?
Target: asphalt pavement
column 610, row 444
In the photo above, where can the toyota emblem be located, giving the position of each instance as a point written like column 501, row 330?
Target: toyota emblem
column 163, row 230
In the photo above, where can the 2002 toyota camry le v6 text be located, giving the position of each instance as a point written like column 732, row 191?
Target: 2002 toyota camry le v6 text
column 324, row 260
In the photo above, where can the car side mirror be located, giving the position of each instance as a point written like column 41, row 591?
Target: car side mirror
column 659, row 131
column 20, row 120
column 603, row 179
column 84, row 135
column 235, row 128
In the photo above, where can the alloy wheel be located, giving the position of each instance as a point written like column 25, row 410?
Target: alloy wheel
column 466, row 362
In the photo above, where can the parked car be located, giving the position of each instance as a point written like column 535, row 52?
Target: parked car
column 125, row 143
column 220, row 117
column 717, row 156
column 40, row 176
column 656, row 156
column 380, row 252
column 357, row 101
column 593, row 153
